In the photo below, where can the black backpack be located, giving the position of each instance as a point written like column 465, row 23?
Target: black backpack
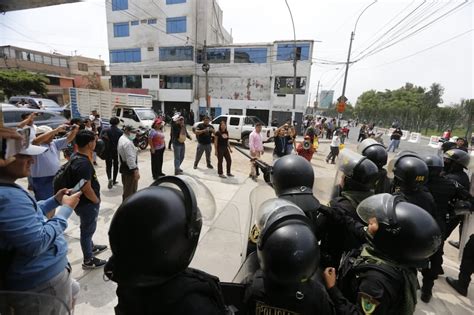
column 63, row 178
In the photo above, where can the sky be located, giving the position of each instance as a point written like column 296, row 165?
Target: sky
column 441, row 52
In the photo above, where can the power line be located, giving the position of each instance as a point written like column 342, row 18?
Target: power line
column 421, row 51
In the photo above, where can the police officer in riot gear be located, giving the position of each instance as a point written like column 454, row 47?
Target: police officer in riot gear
column 410, row 176
column 376, row 152
column 455, row 162
column 288, row 257
column 465, row 270
column 381, row 277
column 356, row 177
column 153, row 236
column 292, row 179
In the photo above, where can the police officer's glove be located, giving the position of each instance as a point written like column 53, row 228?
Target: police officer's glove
column 335, row 214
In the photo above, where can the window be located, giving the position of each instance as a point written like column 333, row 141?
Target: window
column 121, row 30
column 284, row 85
column 218, row 120
column 127, row 81
column 125, row 55
column 63, row 62
column 146, row 76
column 54, row 81
column 250, row 55
column 176, row 53
column 285, row 51
column 151, row 21
column 130, row 113
column 55, row 61
column 175, row 1
column 119, row 111
column 82, row 66
column 135, row 22
column 176, row 25
column 38, row 58
column 118, row 5
column 184, row 82
column 151, row 48
column 218, row 55
column 154, row 76
column 47, row 60
column 234, row 121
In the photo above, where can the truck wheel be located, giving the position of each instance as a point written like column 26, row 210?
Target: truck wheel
column 245, row 141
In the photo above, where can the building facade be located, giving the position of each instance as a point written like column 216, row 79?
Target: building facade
column 62, row 71
column 160, row 47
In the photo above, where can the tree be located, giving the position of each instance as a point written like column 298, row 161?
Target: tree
column 20, row 82
column 467, row 108
column 93, row 82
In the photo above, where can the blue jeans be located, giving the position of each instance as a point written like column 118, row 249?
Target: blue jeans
column 43, row 187
column 178, row 150
column 393, row 144
column 88, row 214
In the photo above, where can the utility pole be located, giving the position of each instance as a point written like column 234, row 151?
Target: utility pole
column 347, row 65
column 205, row 68
column 294, row 63
column 317, row 94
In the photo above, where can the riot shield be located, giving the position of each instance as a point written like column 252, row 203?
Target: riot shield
column 346, row 163
column 468, row 225
column 258, row 196
column 26, row 303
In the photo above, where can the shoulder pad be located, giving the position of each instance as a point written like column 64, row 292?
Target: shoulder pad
column 367, row 303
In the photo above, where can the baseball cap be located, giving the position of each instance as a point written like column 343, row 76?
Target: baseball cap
column 158, row 121
column 129, row 128
column 33, row 150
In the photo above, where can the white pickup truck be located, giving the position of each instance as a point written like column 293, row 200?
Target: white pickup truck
column 240, row 127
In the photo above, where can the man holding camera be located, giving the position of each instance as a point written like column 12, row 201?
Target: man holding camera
column 305, row 148
column 204, row 132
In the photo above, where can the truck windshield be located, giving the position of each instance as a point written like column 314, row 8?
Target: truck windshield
column 145, row 113
column 252, row 120
column 49, row 103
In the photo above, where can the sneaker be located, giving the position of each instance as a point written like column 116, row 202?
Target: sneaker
column 425, row 296
column 195, row 167
column 111, row 184
column 209, row 166
column 230, row 175
column 178, row 172
column 254, row 178
column 222, row 176
column 162, row 174
column 97, row 249
column 93, row 263
column 115, row 182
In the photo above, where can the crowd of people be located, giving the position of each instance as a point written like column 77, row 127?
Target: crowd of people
column 374, row 233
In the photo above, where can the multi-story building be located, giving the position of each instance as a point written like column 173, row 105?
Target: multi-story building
column 62, row 71
column 159, row 48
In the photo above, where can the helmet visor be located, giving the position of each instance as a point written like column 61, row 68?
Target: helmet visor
column 274, row 209
column 377, row 206
column 367, row 143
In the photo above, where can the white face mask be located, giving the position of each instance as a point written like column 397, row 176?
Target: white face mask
column 132, row 136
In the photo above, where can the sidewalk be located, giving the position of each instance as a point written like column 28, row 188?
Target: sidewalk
column 222, row 239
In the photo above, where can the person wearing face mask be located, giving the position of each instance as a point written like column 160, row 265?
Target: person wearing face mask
column 128, row 161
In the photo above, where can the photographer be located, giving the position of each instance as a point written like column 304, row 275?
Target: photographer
column 204, row 132
column 33, row 249
column 47, row 164
column 305, row 148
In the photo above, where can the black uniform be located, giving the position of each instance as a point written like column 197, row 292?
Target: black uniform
column 461, row 177
column 383, row 183
column 311, row 298
column 335, row 237
column 190, row 292
column 364, row 276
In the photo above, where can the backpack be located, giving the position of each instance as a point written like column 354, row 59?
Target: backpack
column 63, row 179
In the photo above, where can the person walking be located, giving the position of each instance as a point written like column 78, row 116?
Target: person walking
column 256, row 149
column 89, row 204
column 223, row 149
column 395, row 140
column 179, row 135
column 204, row 132
column 334, row 147
column 127, row 153
column 362, row 133
column 111, row 138
column 156, row 139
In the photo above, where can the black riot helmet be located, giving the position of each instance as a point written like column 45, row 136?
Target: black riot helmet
column 154, row 233
column 409, row 170
column 435, row 164
column 359, row 172
column 287, row 248
column 374, row 151
column 292, row 174
column 406, row 233
column 457, row 157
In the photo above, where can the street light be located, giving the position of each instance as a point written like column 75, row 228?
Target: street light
column 343, row 96
column 294, row 61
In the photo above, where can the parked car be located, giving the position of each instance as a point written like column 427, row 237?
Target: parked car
column 12, row 116
column 240, row 127
column 33, row 102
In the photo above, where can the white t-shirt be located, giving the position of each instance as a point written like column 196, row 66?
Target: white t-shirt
column 335, row 142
